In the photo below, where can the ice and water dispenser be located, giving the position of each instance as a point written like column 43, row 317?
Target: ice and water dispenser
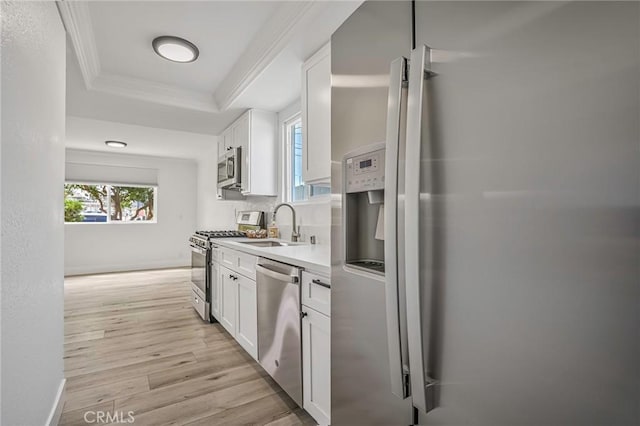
column 364, row 208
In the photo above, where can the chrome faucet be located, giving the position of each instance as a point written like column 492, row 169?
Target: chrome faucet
column 294, row 234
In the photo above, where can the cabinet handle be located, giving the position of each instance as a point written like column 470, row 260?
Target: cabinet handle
column 233, row 277
column 303, row 314
column 320, row 283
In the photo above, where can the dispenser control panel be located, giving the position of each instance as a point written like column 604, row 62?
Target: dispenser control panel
column 365, row 172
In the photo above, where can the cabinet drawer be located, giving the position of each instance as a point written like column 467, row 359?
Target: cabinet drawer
column 242, row 263
column 199, row 305
column 316, row 292
column 228, row 258
column 247, row 265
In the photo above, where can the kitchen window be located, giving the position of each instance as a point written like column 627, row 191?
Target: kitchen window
column 103, row 203
column 295, row 188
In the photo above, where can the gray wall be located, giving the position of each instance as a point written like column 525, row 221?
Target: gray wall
column 33, row 105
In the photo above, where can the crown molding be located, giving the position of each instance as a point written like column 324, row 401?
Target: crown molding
column 264, row 48
column 77, row 21
column 155, row 92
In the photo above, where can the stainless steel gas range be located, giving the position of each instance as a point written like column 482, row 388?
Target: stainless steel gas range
column 202, row 255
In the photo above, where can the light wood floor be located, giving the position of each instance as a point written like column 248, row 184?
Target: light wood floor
column 133, row 343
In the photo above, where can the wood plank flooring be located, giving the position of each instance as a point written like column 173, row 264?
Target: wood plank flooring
column 134, row 344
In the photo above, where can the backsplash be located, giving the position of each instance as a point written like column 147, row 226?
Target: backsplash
column 313, row 219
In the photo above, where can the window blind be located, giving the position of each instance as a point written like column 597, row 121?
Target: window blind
column 104, row 174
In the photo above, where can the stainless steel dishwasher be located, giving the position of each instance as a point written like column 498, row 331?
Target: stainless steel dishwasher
column 279, row 342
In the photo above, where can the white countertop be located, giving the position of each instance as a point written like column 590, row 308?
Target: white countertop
column 316, row 258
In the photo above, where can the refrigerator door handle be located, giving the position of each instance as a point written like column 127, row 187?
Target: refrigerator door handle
column 417, row 174
column 398, row 362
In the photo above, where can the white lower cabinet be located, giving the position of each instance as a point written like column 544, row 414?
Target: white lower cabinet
column 239, row 309
column 234, row 304
column 247, row 324
column 229, row 299
column 316, row 364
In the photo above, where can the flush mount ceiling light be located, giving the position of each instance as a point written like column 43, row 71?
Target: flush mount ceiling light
column 115, row 144
column 175, row 49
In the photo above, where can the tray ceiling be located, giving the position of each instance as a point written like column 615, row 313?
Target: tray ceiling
column 250, row 57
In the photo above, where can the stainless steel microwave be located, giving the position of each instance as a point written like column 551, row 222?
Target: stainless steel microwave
column 229, row 169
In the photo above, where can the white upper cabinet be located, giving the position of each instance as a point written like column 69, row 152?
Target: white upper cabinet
column 255, row 132
column 224, row 142
column 316, row 117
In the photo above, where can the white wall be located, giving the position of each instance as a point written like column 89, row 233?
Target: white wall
column 33, row 105
column 314, row 218
column 91, row 248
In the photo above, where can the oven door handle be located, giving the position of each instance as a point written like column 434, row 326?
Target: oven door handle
column 199, row 250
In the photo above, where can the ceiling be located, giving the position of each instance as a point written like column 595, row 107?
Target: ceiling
column 90, row 134
column 250, row 57
column 222, row 30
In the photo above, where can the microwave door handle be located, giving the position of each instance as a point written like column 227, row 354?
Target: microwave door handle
column 230, row 169
column 418, row 248
column 396, row 322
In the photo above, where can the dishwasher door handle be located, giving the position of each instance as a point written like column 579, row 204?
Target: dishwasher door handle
column 277, row 275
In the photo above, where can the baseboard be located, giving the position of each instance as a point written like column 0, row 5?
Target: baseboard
column 56, row 410
column 105, row 269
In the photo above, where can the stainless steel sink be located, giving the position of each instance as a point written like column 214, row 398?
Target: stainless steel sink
column 270, row 243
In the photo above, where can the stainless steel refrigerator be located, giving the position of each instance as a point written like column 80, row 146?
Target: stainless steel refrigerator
column 494, row 277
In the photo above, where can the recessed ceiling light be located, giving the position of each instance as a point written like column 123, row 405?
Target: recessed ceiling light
column 115, row 144
column 175, row 49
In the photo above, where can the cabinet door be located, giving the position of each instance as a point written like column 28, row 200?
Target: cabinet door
column 316, row 364
column 247, row 327
column 216, row 286
column 229, row 300
column 316, row 117
column 224, row 141
column 221, row 147
column 241, row 139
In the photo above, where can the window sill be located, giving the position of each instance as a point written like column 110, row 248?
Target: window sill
column 317, row 200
